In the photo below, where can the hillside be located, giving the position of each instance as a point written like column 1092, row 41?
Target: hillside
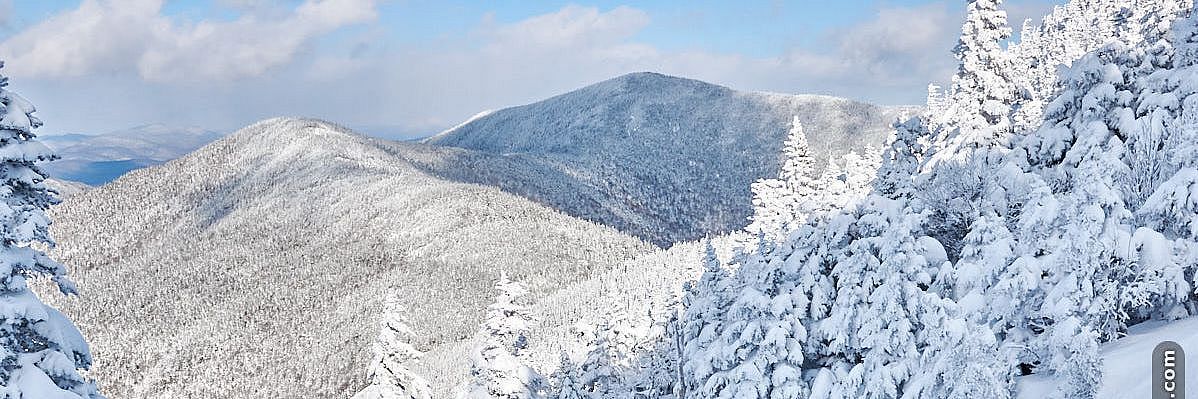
column 98, row 159
column 254, row 267
column 666, row 159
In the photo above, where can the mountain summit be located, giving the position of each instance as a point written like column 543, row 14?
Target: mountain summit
column 665, row 158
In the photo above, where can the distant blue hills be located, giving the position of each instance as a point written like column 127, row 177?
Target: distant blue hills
column 98, row 159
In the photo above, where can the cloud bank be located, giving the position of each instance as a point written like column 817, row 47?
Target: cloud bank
column 334, row 59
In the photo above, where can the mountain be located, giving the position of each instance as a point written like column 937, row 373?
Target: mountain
column 98, row 159
column 256, row 266
column 664, row 158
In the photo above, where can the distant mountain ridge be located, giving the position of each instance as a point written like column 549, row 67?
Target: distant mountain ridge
column 664, row 158
column 98, row 159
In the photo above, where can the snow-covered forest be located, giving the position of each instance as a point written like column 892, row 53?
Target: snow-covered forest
column 1028, row 232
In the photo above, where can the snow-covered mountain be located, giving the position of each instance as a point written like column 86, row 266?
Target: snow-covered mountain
column 663, row 158
column 98, row 159
column 255, row 266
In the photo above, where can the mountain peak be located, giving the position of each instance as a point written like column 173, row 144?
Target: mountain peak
column 646, row 136
column 651, row 77
column 653, row 82
column 291, row 128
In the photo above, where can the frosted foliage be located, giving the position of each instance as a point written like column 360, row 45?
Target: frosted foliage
column 390, row 374
column 793, row 194
column 798, row 164
column 983, row 87
column 900, row 161
column 499, row 365
column 42, row 353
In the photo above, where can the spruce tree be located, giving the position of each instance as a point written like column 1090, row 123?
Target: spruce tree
column 900, row 162
column 390, row 377
column 566, row 383
column 41, row 351
column 705, row 302
column 984, row 90
column 499, row 365
column 789, row 198
column 598, row 373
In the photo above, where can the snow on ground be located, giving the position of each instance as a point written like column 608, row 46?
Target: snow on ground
column 1127, row 364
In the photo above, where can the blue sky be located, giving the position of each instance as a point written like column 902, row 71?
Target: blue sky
column 412, row 67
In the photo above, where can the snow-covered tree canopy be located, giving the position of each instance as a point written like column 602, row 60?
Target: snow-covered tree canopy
column 390, row 370
column 499, row 366
column 991, row 246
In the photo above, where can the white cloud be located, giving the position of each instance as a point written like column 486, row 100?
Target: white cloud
column 572, row 27
column 368, row 80
column 900, row 46
column 109, row 36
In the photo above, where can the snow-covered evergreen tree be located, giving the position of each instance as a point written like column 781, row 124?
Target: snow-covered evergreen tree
column 900, row 163
column 566, row 383
column 759, row 353
column 984, row 90
column 41, row 351
column 390, row 376
column 499, row 367
column 860, row 170
column 705, row 303
column 964, row 362
column 788, row 198
column 599, row 375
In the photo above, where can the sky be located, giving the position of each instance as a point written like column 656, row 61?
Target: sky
column 406, row 68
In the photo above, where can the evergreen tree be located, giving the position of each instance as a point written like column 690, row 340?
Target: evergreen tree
column 984, row 90
column 900, row 162
column 860, row 169
column 498, row 364
column 963, row 362
column 798, row 165
column 759, row 352
column 705, row 302
column 41, row 351
column 598, row 374
column 787, row 199
column 566, row 383
column 390, row 377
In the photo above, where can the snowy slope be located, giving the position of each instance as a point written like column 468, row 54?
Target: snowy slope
column 1127, row 371
column 255, row 266
column 98, row 159
column 664, row 158
column 66, row 188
